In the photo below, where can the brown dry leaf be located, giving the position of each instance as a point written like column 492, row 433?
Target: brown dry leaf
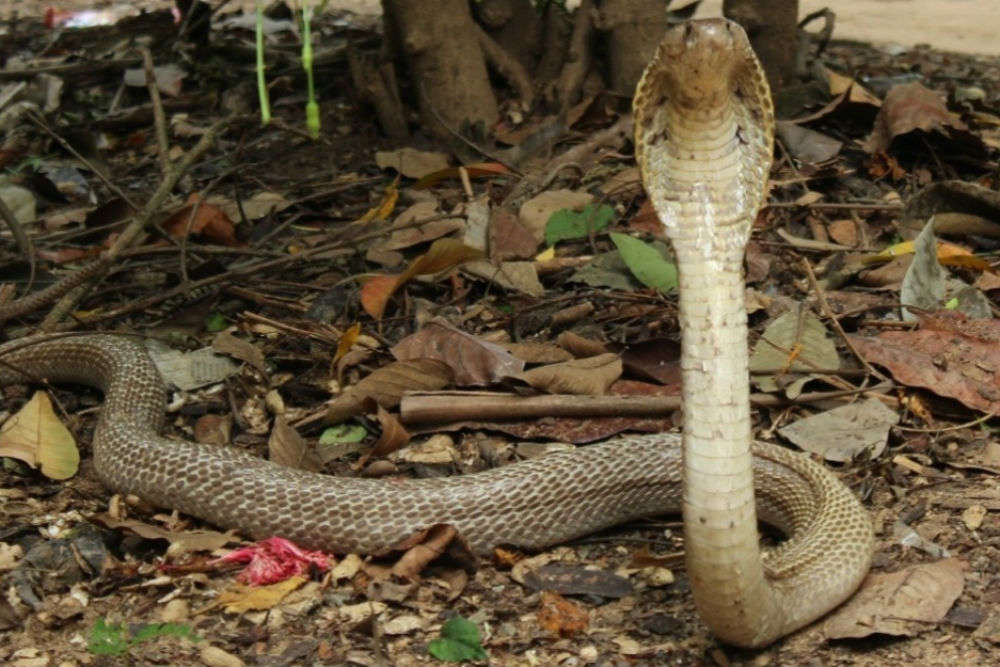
column 240, row 598
column 253, row 208
column 540, row 353
column 844, row 232
column 657, row 359
column 958, row 208
column 36, row 436
column 643, row 558
column 646, row 220
column 474, row 362
column 844, row 432
column 910, row 107
column 973, row 516
column 947, row 364
column 425, row 545
column 508, row 238
column 10, row 554
column 579, row 346
column 571, row 579
column 899, row 603
column 560, row 616
column 226, row 343
column 168, row 78
column 455, row 581
column 205, row 220
column 286, row 447
column 393, row 438
column 806, row 144
column 407, row 235
column 213, row 429
column 435, row 542
column 589, row 377
column 181, row 541
column 476, row 170
column 443, row 254
column 411, row 162
column 986, row 329
column 518, row 276
column 387, row 385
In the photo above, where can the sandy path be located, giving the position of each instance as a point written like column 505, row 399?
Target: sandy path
column 967, row 26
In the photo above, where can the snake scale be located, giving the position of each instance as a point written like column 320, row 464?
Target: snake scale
column 704, row 136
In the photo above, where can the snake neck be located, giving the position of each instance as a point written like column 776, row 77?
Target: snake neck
column 701, row 174
column 720, row 520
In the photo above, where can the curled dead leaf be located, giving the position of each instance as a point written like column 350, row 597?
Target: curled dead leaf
column 36, row 436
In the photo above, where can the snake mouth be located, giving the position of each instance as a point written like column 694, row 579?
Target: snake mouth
column 701, row 60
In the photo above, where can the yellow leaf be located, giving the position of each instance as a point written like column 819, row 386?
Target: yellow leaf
column 546, row 255
column 904, row 248
column 385, row 207
column 240, row 598
column 347, row 341
column 947, row 253
column 36, row 436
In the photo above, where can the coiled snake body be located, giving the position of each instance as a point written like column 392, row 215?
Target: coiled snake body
column 703, row 142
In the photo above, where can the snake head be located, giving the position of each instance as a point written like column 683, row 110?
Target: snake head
column 701, row 61
column 704, row 125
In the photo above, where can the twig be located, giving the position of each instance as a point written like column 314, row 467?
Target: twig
column 71, row 295
column 87, row 67
column 828, row 313
column 955, row 427
column 40, row 122
column 159, row 120
column 22, row 240
column 449, row 406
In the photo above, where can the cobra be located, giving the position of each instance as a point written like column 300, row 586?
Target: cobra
column 704, row 136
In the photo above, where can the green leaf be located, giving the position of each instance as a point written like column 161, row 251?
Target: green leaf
column 215, row 323
column 646, row 263
column 114, row 639
column 567, row 224
column 107, row 639
column 459, row 641
column 343, row 433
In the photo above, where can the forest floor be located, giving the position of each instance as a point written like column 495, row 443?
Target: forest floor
column 271, row 275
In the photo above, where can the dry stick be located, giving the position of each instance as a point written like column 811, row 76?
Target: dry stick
column 248, row 269
column 22, row 240
column 579, row 154
column 450, row 406
column 876, row 206
column 40, row 122
column 88, row 67
column 828, row 313
column 159, row 120
column 139, row 223
column 36, row 300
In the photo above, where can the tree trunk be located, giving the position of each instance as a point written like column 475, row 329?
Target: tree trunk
column 445, row 61
column 635, row 29
column 771, row 26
